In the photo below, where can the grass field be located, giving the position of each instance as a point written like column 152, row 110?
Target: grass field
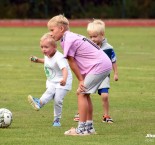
column 132, row 98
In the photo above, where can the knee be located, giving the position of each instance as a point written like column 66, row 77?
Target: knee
column 105, row 96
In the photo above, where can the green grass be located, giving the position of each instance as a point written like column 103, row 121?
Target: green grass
column 132, row 98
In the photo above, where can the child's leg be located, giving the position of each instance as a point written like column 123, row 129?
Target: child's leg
column 83, row 110
column 105, row 103
column 86, row 125
column 104, row 92
column 89, row 113
column 84, row 107
column 47, row 96
column 58, row 102
column 90, row 109
column 89, row 122
column 92, row 83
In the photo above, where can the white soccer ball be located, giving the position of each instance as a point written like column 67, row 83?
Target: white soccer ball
column 5, row 118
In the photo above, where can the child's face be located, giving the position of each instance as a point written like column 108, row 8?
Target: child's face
column 96, row 38
column 47, row 48
column 56, row 32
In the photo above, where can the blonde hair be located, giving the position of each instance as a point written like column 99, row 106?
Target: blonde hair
column 49, row 39
column 58, row 20
column 96, row 26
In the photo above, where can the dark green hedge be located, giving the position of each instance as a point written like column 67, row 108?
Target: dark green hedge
column 42, row 9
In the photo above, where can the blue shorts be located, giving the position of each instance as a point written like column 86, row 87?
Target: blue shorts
column 103, row 90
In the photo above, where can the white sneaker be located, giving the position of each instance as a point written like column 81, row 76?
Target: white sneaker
column 91, row 131
column 34, row 102
column 90, row 128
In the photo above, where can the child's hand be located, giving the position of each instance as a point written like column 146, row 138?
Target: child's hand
column 81, row 87
column 33, row 58
column 63, row 82
column 115, row 77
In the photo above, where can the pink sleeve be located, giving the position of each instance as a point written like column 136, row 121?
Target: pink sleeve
column 68, row 47
column 71, row 42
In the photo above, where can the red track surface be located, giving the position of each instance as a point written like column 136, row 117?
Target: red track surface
column 80, row 22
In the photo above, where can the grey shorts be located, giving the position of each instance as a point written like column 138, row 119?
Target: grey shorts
column 92, row 82
column 105, row 83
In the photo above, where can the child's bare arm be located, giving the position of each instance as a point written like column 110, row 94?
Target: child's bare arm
column 76, row 71
column 65, row 74
column 114, row 65
column 75, row 68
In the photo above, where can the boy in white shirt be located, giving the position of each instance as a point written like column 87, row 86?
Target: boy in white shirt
column 59, row 77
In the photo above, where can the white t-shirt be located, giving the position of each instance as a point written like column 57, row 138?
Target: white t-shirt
column 53, row 70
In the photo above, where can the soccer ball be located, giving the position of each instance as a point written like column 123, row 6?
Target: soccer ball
column 5, row 118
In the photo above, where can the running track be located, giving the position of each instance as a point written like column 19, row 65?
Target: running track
column 81, row 23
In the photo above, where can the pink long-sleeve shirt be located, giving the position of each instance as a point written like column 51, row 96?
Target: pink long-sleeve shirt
column 88, row 56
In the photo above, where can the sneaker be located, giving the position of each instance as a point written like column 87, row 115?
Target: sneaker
column 76, row 117
column 73, row 132
column 34, row 102
column 107, row 119
column 56, row 123
column 90, row 129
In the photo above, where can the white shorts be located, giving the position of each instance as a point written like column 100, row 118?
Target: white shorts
column 92, row 82
column 105, row 83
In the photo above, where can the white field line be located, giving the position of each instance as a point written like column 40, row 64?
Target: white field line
column 13, row 48
column 139, row 53
column 137, row 68
column 9, row 65
column 6, row 65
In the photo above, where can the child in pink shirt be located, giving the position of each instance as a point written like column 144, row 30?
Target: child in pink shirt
column 90, row 65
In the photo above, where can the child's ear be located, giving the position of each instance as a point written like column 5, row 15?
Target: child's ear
column 62, row 28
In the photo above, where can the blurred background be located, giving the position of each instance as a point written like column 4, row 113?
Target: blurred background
column 77, row 9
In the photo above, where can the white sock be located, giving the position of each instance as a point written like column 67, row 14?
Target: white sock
column 89, row 122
